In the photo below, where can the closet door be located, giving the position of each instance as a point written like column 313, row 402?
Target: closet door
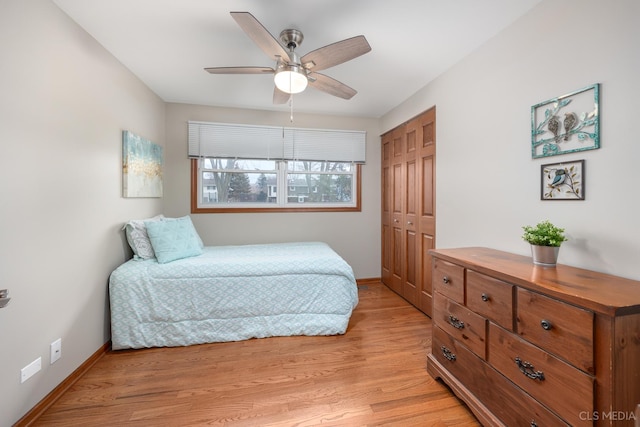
column 426, row 131
column 411, row 241
column 393, row 177
column 408, row 209
column 387, row 195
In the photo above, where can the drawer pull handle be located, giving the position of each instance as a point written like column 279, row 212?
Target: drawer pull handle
column 446, row 279
column 455, row 322
column 546, row 325
column 447, row 354
column 409, row 223
column 533, row 423
column 485, row 297
column 528, row 369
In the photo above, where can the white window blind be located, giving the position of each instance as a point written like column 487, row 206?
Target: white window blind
column 234, row 141
column 268, row 142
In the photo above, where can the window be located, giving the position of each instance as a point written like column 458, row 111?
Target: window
column 321, row 182
column 237, row 185
column 238, row 168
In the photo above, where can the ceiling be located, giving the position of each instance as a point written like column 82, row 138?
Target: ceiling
column 168, row 43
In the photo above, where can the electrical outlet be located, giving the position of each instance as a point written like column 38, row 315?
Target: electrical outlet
column 56, row 350
column 28, row 371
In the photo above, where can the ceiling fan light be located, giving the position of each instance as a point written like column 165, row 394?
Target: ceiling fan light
column 290, row 79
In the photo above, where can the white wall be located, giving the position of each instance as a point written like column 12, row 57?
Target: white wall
column 354, row 235
column 64, row 102
column 487, row 184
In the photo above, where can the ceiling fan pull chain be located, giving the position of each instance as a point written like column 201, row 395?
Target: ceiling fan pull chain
column 291, row 98
column 291, row 108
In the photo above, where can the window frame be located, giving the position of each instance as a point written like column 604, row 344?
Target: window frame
column 195, row 191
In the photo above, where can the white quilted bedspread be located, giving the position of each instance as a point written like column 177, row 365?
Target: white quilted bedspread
column 232, row 293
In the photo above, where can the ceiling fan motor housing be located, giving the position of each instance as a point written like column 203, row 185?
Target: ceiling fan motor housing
column 291, row 38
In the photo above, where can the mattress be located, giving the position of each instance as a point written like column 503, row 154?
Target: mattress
column 232, row 293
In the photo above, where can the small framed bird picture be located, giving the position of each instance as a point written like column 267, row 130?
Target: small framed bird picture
column 566, row 124
column 562, row 181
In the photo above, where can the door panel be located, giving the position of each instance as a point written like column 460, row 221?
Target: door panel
column 387, row 251
column 427, row 187
column 410, row 284
column 397, row 189
column 426, row 290
column 396, row 273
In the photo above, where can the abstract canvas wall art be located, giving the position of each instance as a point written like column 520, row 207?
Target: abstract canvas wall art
column 142, row 163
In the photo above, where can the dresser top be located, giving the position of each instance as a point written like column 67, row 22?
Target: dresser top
column 599, row 292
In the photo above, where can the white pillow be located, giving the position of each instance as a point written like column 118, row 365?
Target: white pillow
column 138, row 238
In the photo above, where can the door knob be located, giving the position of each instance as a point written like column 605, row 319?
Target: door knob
column 4, row 297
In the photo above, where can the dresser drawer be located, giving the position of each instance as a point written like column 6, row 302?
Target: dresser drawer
column 461, row 323
column 513, row 406
column 456, row 358
column 561, row 387
column 491, row 298
column 448, row 279
column 559, row 328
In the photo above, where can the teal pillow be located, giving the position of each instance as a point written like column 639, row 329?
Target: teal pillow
column 173, row 238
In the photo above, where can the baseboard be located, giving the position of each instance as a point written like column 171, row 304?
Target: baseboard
column 55, row 394
column 370, row 281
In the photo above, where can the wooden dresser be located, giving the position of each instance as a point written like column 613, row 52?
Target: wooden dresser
column 524, row 345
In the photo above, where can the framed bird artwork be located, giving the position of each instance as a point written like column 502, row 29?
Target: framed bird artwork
column 566, row 124
column 562, row 181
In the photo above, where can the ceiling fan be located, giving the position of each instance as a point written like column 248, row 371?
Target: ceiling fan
column 293, row 73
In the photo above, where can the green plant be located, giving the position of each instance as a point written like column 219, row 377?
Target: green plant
column 544, row 234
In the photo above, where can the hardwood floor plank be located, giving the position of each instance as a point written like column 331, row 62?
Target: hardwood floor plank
column 373, row 375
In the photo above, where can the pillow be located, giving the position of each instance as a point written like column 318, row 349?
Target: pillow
column 173, row 238
column 137, row 237
column 199, row 239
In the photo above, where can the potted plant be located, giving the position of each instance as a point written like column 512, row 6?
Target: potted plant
column 545, row 239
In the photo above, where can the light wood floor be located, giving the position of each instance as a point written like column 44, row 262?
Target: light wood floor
column 373, row 375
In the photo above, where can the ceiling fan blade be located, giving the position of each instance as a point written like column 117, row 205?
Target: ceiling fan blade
column 335, row 53
column 260, row 36
column 331, row 86
column 280, row 97
column 240, row 70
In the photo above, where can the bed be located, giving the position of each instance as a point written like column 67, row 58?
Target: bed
column 231, row 293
